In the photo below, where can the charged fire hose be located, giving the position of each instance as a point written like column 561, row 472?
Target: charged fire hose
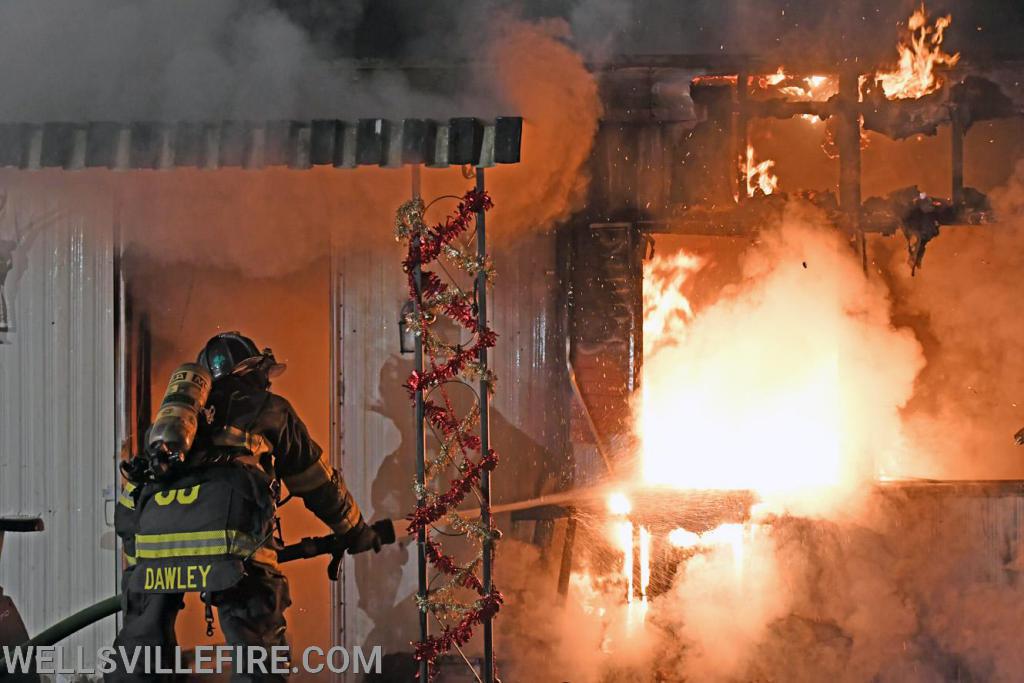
column 310, row 547
column 65, row 627
column 76, row 622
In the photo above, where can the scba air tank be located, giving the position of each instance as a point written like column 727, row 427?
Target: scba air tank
column 178, row 418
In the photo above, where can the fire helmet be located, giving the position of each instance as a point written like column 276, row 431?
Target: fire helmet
column 232, row 353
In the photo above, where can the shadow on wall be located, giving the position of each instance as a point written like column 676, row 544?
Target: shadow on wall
column 387, row 582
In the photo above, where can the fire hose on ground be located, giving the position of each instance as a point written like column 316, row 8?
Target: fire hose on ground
column 307, row 548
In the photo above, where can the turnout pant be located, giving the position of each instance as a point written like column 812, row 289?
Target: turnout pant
column 251, row 613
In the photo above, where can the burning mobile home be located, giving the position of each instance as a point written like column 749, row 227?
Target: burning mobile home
column 755, row 314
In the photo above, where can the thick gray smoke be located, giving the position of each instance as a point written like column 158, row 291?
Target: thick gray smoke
column 199, row 60
column 254, row 59
column 965, row 304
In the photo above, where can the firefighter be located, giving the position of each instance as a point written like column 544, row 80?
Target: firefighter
column 197, row 513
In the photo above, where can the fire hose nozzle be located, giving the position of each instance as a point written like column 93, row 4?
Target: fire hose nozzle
column 334, row 545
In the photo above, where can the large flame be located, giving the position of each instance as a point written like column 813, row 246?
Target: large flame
column 920, row 52
column 759, row 174
column 790, row 386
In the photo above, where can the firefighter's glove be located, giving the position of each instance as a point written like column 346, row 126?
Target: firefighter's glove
column 1019, row 437
column 361, row 538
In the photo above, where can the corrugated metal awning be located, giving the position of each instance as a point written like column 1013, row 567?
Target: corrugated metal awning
column 255, row 145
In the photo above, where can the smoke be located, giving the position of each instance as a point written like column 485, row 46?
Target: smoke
column 599, row 26
column 915, row 589
column 196, row 60
column 549, row 84
column 964, row 305
column 247, row 61
column 272, row 222
column 549, row 634
column 721, row 607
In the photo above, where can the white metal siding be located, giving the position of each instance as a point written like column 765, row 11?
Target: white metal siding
column 376, row 435
column 57, row 444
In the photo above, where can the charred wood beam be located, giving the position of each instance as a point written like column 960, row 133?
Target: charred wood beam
column 878, row 215
column 982, row 488
column 848, row 134
column 972, row 99
column 565, row 568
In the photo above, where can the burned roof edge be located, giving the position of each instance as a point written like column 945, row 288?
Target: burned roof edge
column 297, row 144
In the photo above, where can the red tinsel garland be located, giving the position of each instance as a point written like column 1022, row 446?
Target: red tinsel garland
column 428, row 513
column 436, row 298
column 435, row 646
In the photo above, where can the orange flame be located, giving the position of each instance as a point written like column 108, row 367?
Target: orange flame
column 747, row 394
column 814, row 88
column 775, row 78
column 920, row 52
column 759, row 174
column 618, row 504
column 682, row 538
column 811, row 88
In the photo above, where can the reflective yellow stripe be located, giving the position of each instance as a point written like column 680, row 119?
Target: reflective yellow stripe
column 130, row 559
column 148, row 554
column 194, row 544
column 314, row 476
column 126, row 498
column 183, row 536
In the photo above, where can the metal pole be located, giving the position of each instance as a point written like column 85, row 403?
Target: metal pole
column 957, row 137
column 421, row 446
column 485, row 436
column 848, row 142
